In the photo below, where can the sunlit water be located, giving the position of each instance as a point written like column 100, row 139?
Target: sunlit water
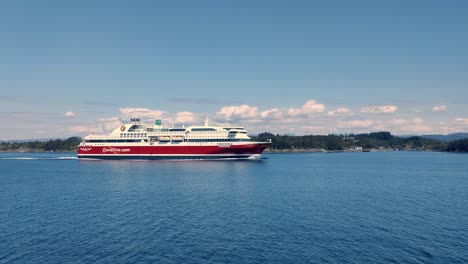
column 390, row 207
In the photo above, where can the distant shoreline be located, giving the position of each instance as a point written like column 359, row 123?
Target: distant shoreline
column 268, row 151
column 37, row 151
column 292, row 151
column 372, row 142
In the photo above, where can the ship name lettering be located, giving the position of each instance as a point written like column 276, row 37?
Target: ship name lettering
column 114, row 150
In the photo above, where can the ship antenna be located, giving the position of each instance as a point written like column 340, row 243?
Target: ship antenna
column 207, row 121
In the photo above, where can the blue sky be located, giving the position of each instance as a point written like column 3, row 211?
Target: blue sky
column 301, row 67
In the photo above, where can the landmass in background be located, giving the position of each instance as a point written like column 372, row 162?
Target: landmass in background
column 377, row 141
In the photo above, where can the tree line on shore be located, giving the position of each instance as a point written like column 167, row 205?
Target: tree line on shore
column 69, row 144
column 369, row 141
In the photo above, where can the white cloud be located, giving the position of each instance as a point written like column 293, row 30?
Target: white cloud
column 379, row 109
column 130, row 112
column 356, row 123
column 414, row 125
column 300, row 120
column 397, row 126
column 184, row 117
column 69, row 114
column 107, row 125
column 238, row 112
column 148, row 115
column 274, row 113
column 461, row 120
column 309, row 107
column 439, row 108
column 402, row 121
column 340, row 111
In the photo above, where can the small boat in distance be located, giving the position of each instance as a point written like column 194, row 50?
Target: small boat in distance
column 136, row 140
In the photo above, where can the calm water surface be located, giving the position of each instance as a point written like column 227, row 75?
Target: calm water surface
column 389, row 207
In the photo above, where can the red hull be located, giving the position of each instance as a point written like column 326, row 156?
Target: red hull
column 171, row 151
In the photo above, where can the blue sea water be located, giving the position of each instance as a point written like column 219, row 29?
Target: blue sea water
column 385, row 207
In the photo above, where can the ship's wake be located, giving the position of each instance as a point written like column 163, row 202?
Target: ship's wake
column 40, row 158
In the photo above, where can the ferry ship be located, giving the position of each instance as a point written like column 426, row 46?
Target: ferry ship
column 136, row 140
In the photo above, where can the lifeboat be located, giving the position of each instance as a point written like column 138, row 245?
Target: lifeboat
column 177, row 139
column 164, row 139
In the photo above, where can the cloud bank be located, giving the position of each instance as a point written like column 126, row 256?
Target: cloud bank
column 383, row 109
column 311, row 117
column 439, row 108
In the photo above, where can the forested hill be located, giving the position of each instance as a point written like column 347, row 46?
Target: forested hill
column 69, row 144
column 449, row 137
column 460, row 145
column 370, row 141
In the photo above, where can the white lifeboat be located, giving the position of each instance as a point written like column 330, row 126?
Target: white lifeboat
column 164, row 139
column 177, row 138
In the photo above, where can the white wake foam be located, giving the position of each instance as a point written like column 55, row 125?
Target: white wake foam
column 40, row 158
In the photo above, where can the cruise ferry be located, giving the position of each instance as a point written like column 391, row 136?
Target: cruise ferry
column 136, row 140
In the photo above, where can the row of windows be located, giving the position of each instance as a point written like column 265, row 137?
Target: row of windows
column 135, row 127
column 216, row 140
column 130, row 135
column 113, row 140
column 165, row 129
column 203, row 129
column 133, row 135
column 149, row 129
column 216, row 132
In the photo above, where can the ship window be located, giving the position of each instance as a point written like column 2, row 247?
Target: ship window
column 216, row 140
column 203, row 129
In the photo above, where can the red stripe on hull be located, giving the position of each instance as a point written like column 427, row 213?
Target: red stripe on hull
column 251, row 149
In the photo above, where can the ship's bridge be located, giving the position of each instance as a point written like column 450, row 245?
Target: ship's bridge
column 129, row 128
